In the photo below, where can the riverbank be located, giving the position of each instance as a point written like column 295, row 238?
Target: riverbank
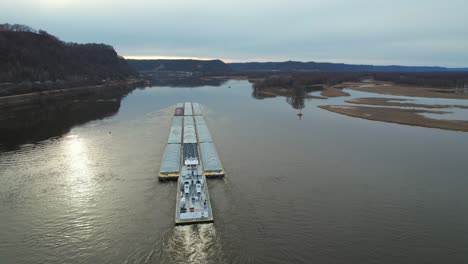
column 389, row 88
column 52, row 113
column 410, row 117
column 12, row 101
column 398, row 103
column 333, row 92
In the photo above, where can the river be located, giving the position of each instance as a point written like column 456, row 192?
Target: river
column 325, row 188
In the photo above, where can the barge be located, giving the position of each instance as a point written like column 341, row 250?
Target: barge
column 190, row 157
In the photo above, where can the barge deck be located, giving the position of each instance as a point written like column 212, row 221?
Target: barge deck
column 190, row 158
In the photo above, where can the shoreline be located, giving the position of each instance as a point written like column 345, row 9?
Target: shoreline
column 12, row 101
column 36, row 116
column 388, row 88
column 333, row 92
column 410, row 117
column 398, row 103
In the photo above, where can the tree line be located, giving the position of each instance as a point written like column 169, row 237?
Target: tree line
column 305, row 79
column 27, row 55
column 425, row 79
column 291, row 80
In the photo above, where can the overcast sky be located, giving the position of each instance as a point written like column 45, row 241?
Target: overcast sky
column 406, row 32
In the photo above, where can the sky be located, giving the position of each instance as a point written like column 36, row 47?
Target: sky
column 403, row 32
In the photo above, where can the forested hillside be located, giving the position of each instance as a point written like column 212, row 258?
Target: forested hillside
column 27, row 55
column 332, row 67
column 202, row 66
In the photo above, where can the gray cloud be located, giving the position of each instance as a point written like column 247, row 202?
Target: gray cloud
column 429, row 32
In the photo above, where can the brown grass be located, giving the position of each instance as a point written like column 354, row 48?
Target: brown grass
column 401, row 116
column 333, row 92
column 401, row 90
column 400, row 103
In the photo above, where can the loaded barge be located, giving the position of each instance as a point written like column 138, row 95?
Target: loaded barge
column 190, row 158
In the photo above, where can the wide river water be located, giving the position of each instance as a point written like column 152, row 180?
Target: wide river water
column 324, row 189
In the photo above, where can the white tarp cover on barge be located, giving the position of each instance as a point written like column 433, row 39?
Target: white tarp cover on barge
column 175, row 135
column 171, row 159
column 189, row 130
column 197, row 109
column 211, row 160
column 188, row 109
column 202, row 130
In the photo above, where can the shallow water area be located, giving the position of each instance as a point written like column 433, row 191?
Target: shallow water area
column 453, row 113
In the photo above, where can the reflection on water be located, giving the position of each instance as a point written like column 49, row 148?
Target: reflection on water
column 36, row 122
column 328, row 189
column 79, row 174
column 296, row 100
column 295, row 95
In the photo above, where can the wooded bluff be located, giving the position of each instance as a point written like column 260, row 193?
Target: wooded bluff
column 27, row 55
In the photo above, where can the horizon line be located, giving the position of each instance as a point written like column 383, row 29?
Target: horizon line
column 382, row 63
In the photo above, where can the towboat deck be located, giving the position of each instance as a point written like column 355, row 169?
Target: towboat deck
column 193, row 201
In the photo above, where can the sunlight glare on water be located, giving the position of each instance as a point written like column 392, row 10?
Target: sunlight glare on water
column 324, row 188
column 77, row 160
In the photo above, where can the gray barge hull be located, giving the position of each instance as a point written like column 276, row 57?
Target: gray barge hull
column 183, row 160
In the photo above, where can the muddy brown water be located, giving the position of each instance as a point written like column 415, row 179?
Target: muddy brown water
column 323, row 189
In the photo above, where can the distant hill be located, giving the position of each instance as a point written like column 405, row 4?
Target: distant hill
column 202, row 66
column 218, row 66
column 29, row 55
column 331, row 67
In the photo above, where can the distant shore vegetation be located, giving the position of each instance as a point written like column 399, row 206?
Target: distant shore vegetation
column 328, row 79
column 30, row 57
